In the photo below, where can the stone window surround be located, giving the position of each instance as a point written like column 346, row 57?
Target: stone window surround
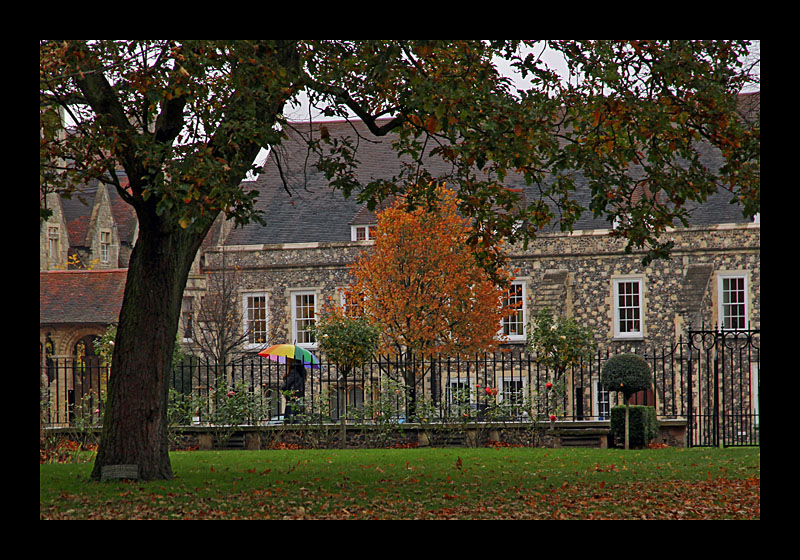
column 617, row 279
column 720, row 311
column 245, row 316
column 293, row 293
column 518, row 337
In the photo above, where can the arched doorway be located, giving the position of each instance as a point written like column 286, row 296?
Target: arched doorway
column 89, row 383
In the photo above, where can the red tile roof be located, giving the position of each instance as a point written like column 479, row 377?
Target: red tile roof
column 81, row 296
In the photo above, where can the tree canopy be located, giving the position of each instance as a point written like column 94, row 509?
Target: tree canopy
column 422, row 285
column 185, row 119
column 175, row 126
column 559, row 342
column 627, row 374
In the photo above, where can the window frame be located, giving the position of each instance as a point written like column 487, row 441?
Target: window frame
column 519, row 337
column 602, row 401
column 293, row 304
column 618, row 333
column 187, row 320
column 515, row 398
column 249, row 344
column 370, row 232
column 721, row 305
column 53, row 242
column 457, row 386
column 105, row 246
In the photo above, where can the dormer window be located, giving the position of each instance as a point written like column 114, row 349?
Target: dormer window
column 105, row 247
column 363, row 232
column 623, row 220
column 52, row 239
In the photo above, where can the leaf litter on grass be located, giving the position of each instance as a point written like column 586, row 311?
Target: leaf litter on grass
column 454, row 484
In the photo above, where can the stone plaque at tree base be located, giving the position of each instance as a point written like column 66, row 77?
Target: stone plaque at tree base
column 109, row 472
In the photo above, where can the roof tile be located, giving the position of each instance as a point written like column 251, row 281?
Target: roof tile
column 81, row 296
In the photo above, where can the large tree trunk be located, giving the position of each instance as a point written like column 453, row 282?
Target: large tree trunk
column 135, row 421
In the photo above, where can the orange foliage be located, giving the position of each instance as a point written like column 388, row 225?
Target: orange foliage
column 423, row 285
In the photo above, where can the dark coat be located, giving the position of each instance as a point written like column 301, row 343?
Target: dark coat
column 296, row 383
column 295, row 379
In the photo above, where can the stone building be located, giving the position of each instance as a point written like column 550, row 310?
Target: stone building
column 93, row 230
column 286, row 270
column 90, row 234
column 276, row 277
column 299, row 260
column 84, row 249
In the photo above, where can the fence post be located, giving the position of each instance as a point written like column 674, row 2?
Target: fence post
column 689, row 399
column 716, row 402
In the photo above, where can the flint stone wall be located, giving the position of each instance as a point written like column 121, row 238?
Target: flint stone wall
column 571, row 273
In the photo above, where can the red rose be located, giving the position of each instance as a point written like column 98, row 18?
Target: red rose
column 548, row 385
column 552, row 417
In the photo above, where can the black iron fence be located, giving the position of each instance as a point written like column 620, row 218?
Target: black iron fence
column 711, row 380
column 723, row 369
column 72, row 391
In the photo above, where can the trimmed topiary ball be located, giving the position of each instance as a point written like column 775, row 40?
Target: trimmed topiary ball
column 627, row 374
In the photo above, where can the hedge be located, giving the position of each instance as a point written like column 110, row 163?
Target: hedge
column 643, row 424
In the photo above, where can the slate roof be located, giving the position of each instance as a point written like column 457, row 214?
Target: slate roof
column 80, row 296
column 77, row 211
column 314, row 212
column 124, row 214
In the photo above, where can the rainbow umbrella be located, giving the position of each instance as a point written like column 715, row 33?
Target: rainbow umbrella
column 279, row 353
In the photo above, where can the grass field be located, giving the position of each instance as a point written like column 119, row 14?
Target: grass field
column 501, row 483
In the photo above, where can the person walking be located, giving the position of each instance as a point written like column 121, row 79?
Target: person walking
column 295, row 387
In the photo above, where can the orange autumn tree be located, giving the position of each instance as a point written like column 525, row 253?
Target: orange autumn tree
column 423, row 285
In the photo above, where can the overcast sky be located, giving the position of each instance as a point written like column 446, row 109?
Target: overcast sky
column 553, row 60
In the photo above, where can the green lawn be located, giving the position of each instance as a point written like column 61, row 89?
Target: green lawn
column 502, row 483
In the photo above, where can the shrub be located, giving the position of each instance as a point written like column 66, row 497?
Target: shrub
column 643, row 424
column 346, row 341
column 560, row 342
column 232, row 408
column 626, row 374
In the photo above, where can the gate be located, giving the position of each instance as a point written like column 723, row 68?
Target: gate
column 723, row 388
